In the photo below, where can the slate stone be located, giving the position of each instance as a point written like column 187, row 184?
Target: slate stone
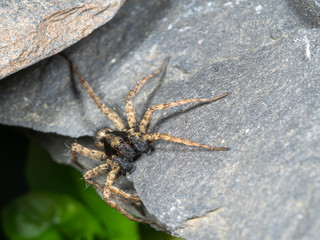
column 265, row 54
column 33, row 30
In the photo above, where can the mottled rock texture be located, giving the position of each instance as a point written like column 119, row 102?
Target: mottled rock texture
column 266, row 53
column 33, row 30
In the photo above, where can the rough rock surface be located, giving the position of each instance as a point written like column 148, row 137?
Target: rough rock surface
column 265, row 53
column 33, row 30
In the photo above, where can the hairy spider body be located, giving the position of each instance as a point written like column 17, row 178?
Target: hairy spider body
column 127, row 146
column 119, row 148
column 126, row 143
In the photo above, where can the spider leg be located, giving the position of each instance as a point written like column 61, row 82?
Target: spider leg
column 145, row 122
column 112, row 176
column 86, row 152
column 117, row 121
column 150, row 137
column 102, row 169
column 131, row 113
column 99, row 170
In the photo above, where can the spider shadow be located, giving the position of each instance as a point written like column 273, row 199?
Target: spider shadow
column 77, row 92
column 182, row 148
column 73, row 85
column 155, row 89
column 177, row 147
column 162, row 121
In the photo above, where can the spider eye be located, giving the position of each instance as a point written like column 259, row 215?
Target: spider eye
column 121, row 140
column 132, row 138
column 116, row 147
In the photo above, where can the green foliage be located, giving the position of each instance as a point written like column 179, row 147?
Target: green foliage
column 41, row 215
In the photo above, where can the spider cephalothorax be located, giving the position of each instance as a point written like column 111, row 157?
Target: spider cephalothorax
column 128, row 145
column 119, row 148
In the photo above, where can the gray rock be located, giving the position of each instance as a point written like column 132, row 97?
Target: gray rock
column 33, row 30
column 265, row 54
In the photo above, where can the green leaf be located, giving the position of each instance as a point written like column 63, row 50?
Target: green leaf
column 42, row 215
column 118, row 226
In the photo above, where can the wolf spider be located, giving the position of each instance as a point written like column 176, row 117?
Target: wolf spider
column 119, row 148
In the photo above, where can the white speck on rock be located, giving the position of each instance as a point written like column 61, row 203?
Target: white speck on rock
column 258, row 9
